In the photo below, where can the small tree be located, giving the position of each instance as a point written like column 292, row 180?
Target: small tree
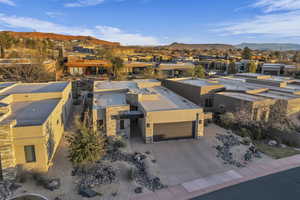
column 247, row 53
column 199, row 72
column 232, row 68
column 252, row 67
column 227, row 119
column 26, row 73
column 117, row 66
column 85, row 145
column 149, row 72
column 278, row 116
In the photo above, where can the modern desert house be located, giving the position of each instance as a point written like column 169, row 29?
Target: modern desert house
column 32, row 121
column 259, row 93
column 123, row 107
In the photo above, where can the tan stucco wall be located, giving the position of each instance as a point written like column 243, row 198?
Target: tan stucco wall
column 293, row 106
column 111, row 126
column 232, row 104
column 37, row 135
column 189, row 92
column 172, row 116
column 196, row 94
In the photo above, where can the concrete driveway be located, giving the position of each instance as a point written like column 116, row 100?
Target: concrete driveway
column 184, row 160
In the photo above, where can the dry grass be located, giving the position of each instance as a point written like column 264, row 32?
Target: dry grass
column 276, row 152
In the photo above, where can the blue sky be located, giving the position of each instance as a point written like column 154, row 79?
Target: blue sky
column 153, row 22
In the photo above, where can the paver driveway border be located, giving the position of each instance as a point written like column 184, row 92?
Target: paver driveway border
column 216, row 182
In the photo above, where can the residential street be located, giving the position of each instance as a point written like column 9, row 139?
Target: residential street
column 283, row 185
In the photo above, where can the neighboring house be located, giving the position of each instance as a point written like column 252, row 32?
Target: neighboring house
column 230, row 94
column 146, row 109
column 172, row 70
column 273, row 69
column 278, row 69
column 32, row 121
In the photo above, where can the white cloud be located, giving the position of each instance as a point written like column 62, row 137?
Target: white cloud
column 282, row 25
column 115, row 34
column 8, row 2
column 277, row 5
column 40, row 25
column 102, row 32
column 83, row 3
column 280, row 19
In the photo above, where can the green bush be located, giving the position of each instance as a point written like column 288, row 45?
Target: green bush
column 131, row 174
column 246, row 141
column 227, row 119
column 119, row 144
column 39, row 178
column 244, row 132
column 22, row 175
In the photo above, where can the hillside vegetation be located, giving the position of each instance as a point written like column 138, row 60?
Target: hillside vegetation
column 200, row 46
column 60, row 37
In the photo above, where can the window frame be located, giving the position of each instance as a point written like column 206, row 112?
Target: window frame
column 33, row 152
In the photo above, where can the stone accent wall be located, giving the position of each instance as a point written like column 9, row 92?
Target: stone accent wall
column 8, row 162
column 149, row 140
column 112, row 125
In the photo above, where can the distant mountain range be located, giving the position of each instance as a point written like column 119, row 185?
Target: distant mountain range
column 270, row 46
column 254, row 46
column 60, row 37
column 199, row 46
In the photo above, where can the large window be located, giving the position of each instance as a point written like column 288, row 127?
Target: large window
column 29, row 153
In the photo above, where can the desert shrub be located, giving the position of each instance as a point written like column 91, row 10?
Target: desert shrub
column 85, row 145
column 119, row 143
column 22, row 175
column 257, row 134
column 246, row 141
column 39, row 178
column 244, row 132
column 227, row 119
column 131, row 174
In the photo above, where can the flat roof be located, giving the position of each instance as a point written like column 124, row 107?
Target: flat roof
column 243, row 96
column 6, row 84
column 168, row 66
column 238, row 84
column 114, row 85
column 293, row 86
column 278, row 95
column 107, row 99
column 36, row 88
column 253, row 75
column 146, row 80
column 198, row 82
column 31, row 113
column 166, row 100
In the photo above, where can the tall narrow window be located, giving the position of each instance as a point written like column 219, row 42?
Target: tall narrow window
column 29, row 153
column 122, row 124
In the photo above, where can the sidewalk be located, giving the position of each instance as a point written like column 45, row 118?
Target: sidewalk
column 209, row 184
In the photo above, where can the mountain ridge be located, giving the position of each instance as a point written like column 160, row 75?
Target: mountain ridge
column 60, row 37
column 270, row 46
